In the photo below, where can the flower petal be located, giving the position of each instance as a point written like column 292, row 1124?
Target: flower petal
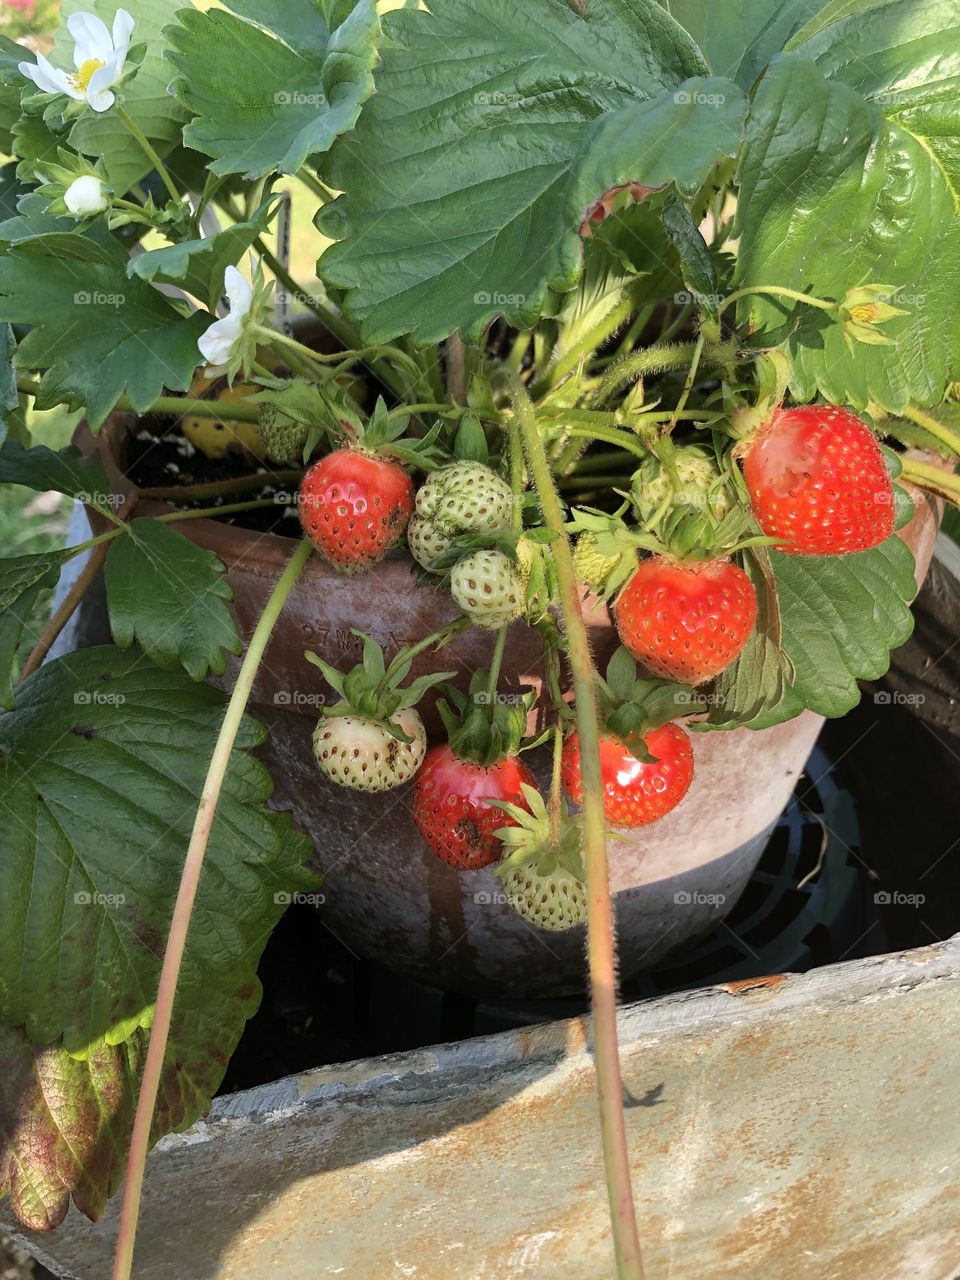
column 239, row 290
column 98, row 90
column 92, row 39
column 217, row 342
column 49, row 79
column 123, row 25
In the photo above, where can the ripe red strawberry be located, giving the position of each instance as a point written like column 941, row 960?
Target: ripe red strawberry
column 688, row 621
column 450, row 806
column 635, row 793
column 817, row 481
column 354, row 507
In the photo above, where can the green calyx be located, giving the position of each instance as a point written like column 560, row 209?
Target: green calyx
column 540, row 840
column 484, row 726
column 374, row 690
column 630, row 707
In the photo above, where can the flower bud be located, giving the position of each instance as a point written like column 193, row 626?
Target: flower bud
column 86, row 195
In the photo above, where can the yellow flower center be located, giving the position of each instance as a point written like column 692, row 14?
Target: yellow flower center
column 865, row 313
column 85, row 73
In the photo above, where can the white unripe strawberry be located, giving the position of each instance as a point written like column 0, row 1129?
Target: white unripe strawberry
column 357, row 752
column 488, row 587
column 466, row 497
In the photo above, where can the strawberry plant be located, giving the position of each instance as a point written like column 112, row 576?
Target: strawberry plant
column 624, row 301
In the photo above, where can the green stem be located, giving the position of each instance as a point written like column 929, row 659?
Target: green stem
column 319, row 189
column 600, row 928
column 148, row 150
column 65, row 612
column 777, row 292
column 183, row 910
column 496, row 662
column 456, row 358
column 185, row 493
column 575, row 482
column 589, row 343
column 943, row 483
column 556, row 806
column 176, row 406
column 201, row 513
column 436, row 640
column 937, row 429
column 643, row 364
column 688, row 384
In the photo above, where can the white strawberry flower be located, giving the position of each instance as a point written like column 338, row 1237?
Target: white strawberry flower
column 98, row 58
column 86, row 195
column 217, row 343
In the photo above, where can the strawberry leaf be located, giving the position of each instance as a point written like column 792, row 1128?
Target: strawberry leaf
column 67, row 471
column 65, row 1121
column 533, row 114
column 96, row 333
column 101, row 770
column 837, row 191
column 169, row 595
column 23, row 580
column 739, row 37
column 262, row 103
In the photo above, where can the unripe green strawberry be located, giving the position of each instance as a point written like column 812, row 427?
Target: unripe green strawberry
column 591, row 567
column 488, row 587
column 700, row 484
column 466, row 497
column 555, row 900
column 283, row 438
column 357, row 752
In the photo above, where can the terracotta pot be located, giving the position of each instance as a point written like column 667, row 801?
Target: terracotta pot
column 391, row 900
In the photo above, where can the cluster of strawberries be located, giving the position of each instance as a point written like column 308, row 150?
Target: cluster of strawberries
column 817, row 485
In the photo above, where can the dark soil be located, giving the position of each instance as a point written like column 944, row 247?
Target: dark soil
column 159, row 456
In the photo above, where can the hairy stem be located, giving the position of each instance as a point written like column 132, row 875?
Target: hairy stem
column 776, row 291
column 148, row 150
column 180, row 924
column 943, row 483
column 589, row 343
column 456, row 356
column 600, row 909
column 185, row 493
column 643, row 364
column 176, row 406
column 495, row 663
column 556, row 807
column 938, row 430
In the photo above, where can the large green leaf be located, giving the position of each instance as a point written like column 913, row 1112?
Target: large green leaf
column 833, row 195
column 23, row 579
column 495, row 130
column 170, row 596
column 67, row 471
column 145, row 96
column 261, row 104
column 739, row 37
column 101, row 770
column 842, row 615
column 65, row 1121
column 96, row 334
